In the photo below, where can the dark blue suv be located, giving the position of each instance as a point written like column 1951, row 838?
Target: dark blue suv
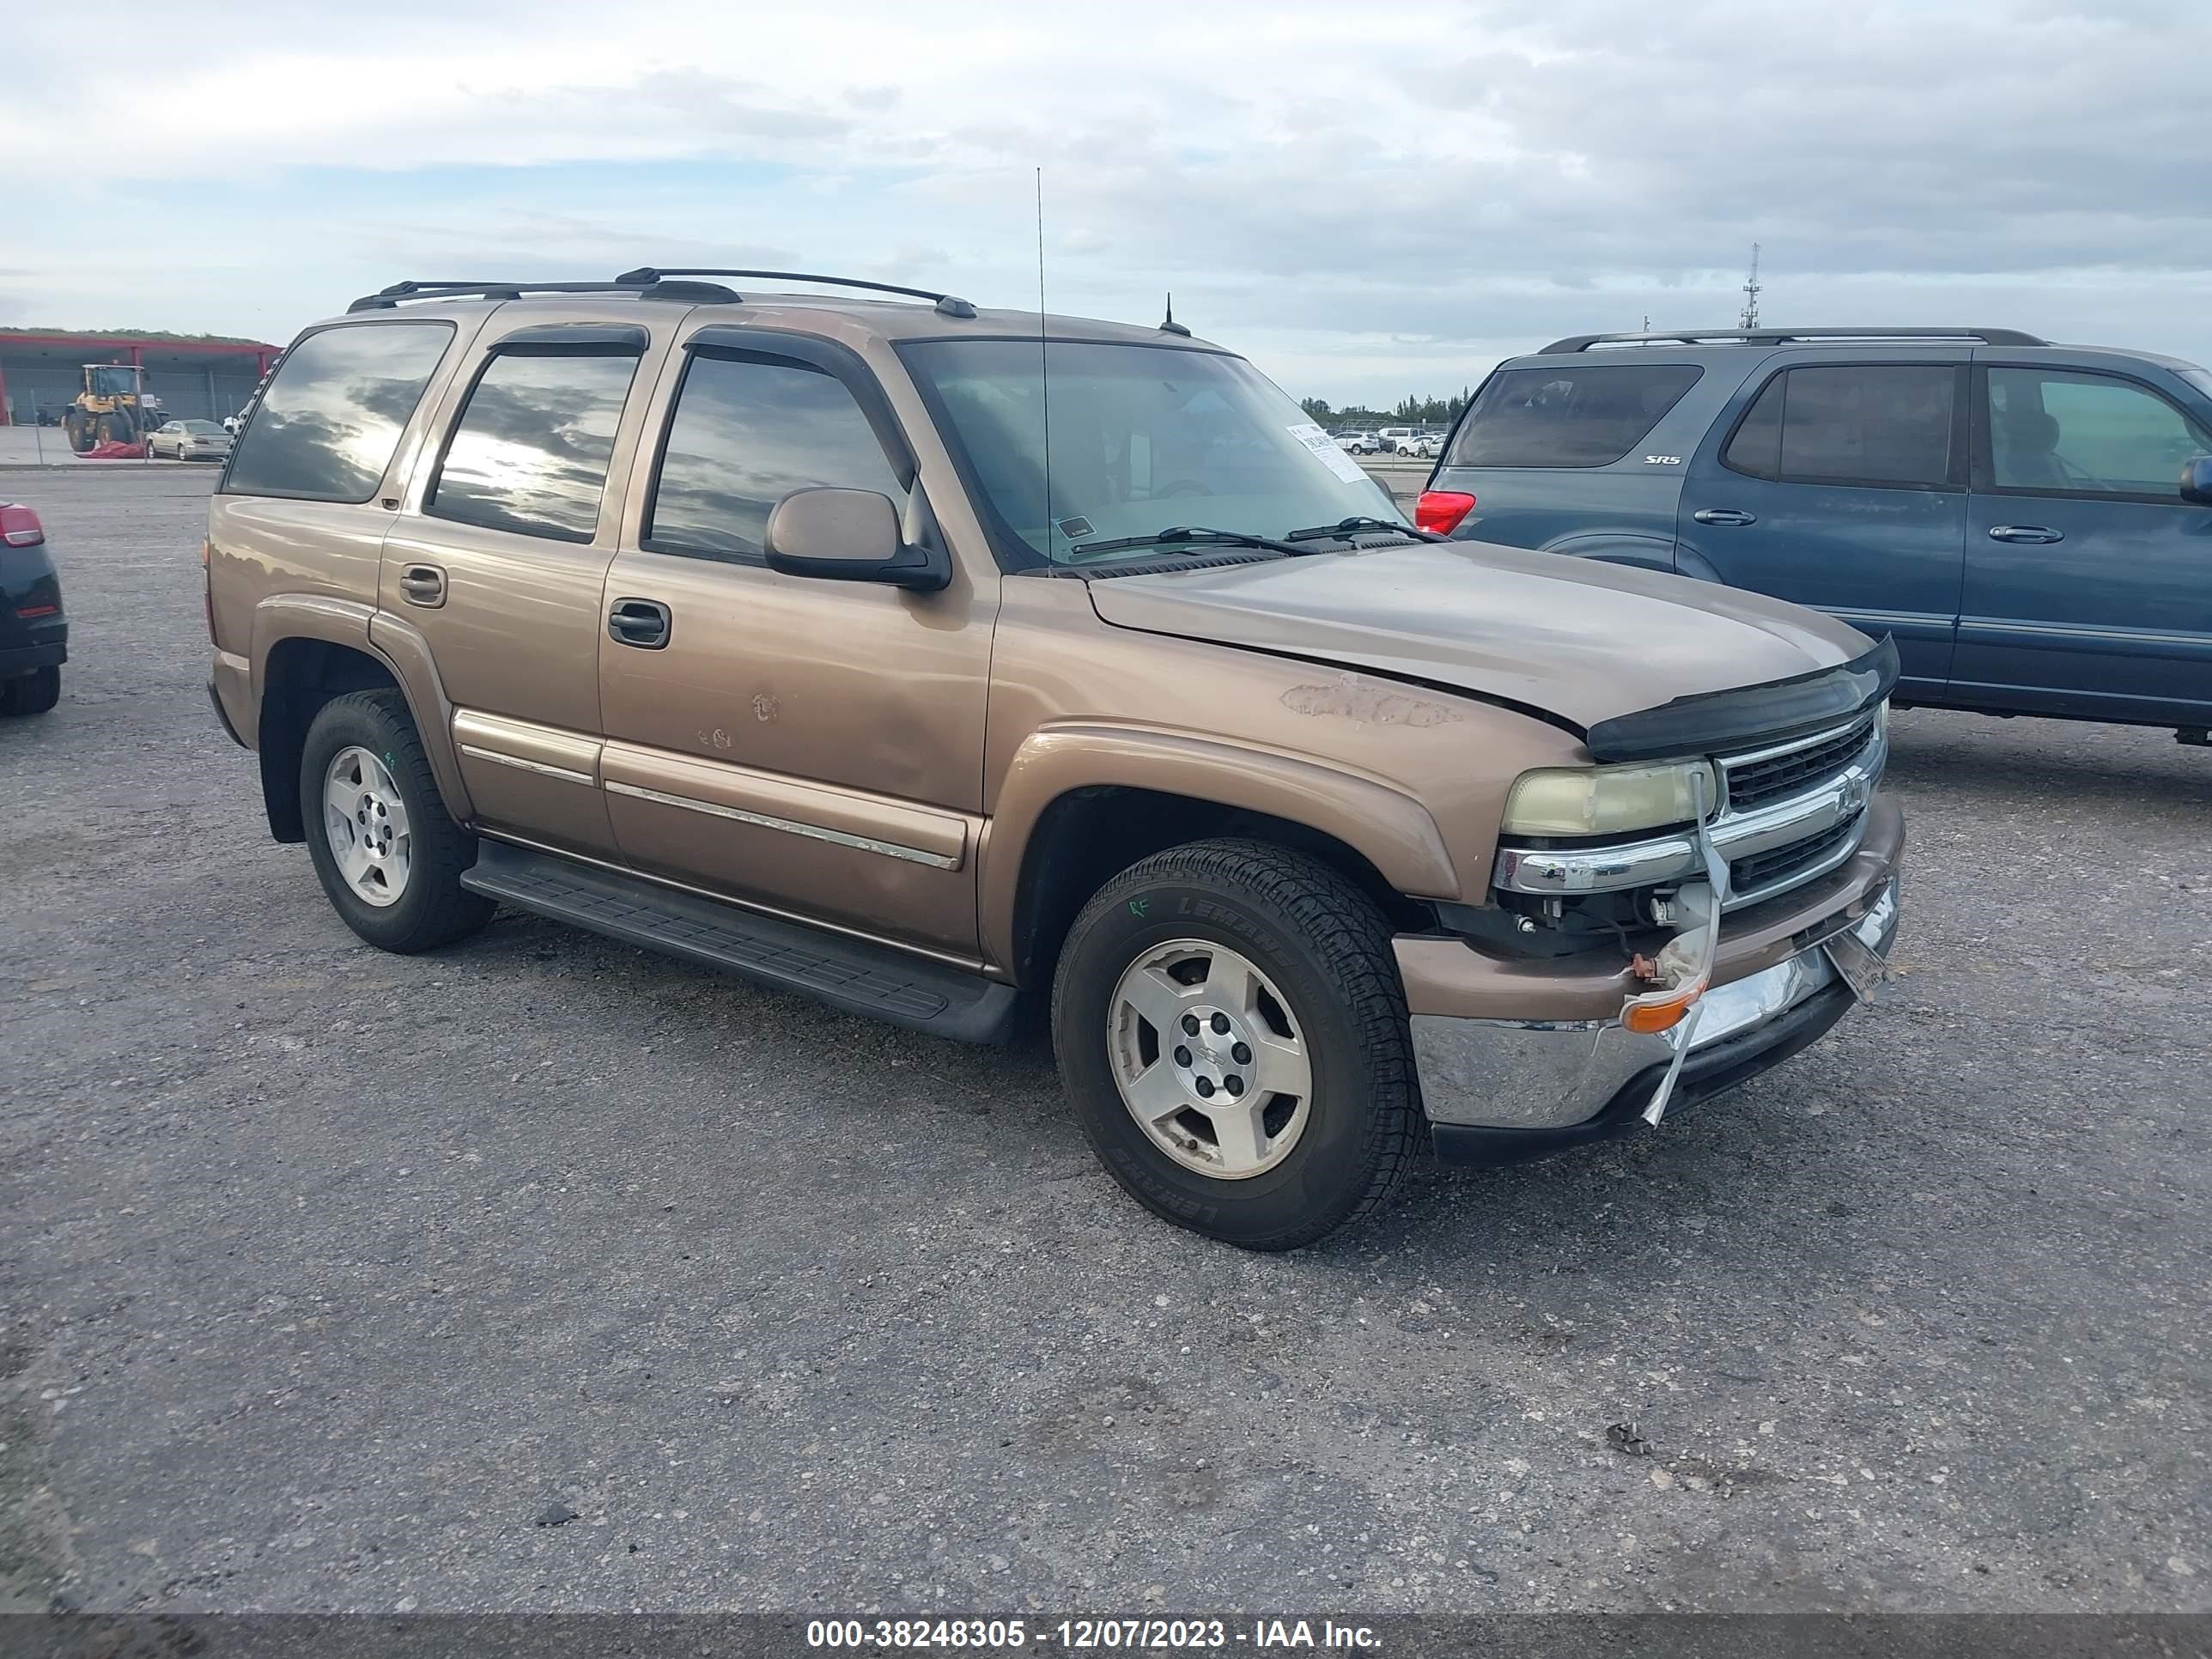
column 2031, row 523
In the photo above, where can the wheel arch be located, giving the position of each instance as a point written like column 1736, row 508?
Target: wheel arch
column 308, row 651
column 1081, row 805
column 1645, row 552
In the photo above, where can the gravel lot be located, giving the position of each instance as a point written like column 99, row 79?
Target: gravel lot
column 329, row 1276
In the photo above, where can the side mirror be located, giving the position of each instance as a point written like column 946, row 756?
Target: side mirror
column 851, row 536
column 2196, row 481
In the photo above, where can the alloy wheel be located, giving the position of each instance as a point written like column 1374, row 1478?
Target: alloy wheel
column 1210, row 1058
column 365, row 820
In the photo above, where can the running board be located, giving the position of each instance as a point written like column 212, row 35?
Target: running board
column 847, row 973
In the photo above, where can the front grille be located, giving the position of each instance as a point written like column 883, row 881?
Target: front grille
column 1752, row 784
column 1779, row 865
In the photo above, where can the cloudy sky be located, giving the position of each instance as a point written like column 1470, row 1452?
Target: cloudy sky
column 1369, row 197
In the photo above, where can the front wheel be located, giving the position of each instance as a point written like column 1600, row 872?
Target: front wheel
column 1232, row 1028
column 389, row 858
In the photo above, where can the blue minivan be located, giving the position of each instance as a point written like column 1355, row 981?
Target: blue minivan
column 2031, row 523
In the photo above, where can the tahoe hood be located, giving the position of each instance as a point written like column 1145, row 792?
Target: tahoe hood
column 1578, row 641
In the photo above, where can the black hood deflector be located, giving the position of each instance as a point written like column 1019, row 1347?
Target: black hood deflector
column 1714, row 722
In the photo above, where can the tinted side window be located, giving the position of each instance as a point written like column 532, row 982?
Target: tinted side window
column 328, row 421
column 1878, row 424
column 530, row 450
column 2049, row 430
column 1757, row 447
column 747, row 432
column 1575, row 415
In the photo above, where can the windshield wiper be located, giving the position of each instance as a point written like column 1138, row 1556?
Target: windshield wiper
column 1193, row 535
column 1343, row 529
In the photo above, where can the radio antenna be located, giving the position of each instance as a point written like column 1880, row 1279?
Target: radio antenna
column 1044, row 366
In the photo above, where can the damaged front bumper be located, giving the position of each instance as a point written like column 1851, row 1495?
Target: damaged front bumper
column 1501, row 1091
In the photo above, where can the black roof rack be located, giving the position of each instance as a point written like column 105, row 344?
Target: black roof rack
column 386, row 298
column 648, row 282
column 950, row 304
column 2003, row 336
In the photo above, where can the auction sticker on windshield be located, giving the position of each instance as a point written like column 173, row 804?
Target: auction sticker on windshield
column 1324, row 450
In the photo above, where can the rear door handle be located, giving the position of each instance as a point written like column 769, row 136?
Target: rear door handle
column 424, row 585
column 1728, row 516
column 642, row 623
column 2024, row 532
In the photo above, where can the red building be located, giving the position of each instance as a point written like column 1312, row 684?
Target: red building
column 195, row 380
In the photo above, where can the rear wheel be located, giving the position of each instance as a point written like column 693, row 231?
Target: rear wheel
column 389, row 858
column 31, row 694
column 1232, row 1028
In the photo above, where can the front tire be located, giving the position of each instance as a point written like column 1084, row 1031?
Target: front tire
column 1290, row 1109
column 389, row 858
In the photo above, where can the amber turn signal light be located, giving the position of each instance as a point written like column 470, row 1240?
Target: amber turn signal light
column 1648, row 1015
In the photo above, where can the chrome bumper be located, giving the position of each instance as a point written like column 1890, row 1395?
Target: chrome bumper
column 1552, row 1075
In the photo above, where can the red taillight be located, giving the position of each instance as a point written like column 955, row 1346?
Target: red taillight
column 20, row 526
column 1441, row 510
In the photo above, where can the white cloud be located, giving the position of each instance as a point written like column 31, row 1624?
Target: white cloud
column 1372, row 200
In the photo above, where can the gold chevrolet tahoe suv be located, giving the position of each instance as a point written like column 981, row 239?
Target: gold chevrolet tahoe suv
column 943, row 664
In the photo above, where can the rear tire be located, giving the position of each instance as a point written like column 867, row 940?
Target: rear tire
column 33, row 693
column 426, row 906
column 1318, row 950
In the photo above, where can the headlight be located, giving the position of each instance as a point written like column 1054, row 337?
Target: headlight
column 1604, row 800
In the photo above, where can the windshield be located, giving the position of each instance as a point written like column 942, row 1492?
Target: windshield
column 2199, row 379
column 202, row 426
column 1144, row 439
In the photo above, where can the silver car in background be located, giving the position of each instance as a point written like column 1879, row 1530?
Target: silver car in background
column 190, row 441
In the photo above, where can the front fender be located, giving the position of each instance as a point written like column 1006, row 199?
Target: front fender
column 1390, row 830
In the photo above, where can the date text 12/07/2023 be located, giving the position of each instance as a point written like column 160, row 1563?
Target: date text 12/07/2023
column 1139, row 1635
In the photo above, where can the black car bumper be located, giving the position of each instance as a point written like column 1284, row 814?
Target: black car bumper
column 34, row 628
column 17, row 660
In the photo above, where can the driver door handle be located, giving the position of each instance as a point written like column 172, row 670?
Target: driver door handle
column 2024, row 532
column 642, row 623
column 424, row 585
column 1727, row 515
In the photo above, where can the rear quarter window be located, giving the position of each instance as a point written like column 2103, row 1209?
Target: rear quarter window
column 1575, row 415
column 330, row 419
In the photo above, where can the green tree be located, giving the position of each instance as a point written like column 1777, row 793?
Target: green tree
column 1409, row 411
